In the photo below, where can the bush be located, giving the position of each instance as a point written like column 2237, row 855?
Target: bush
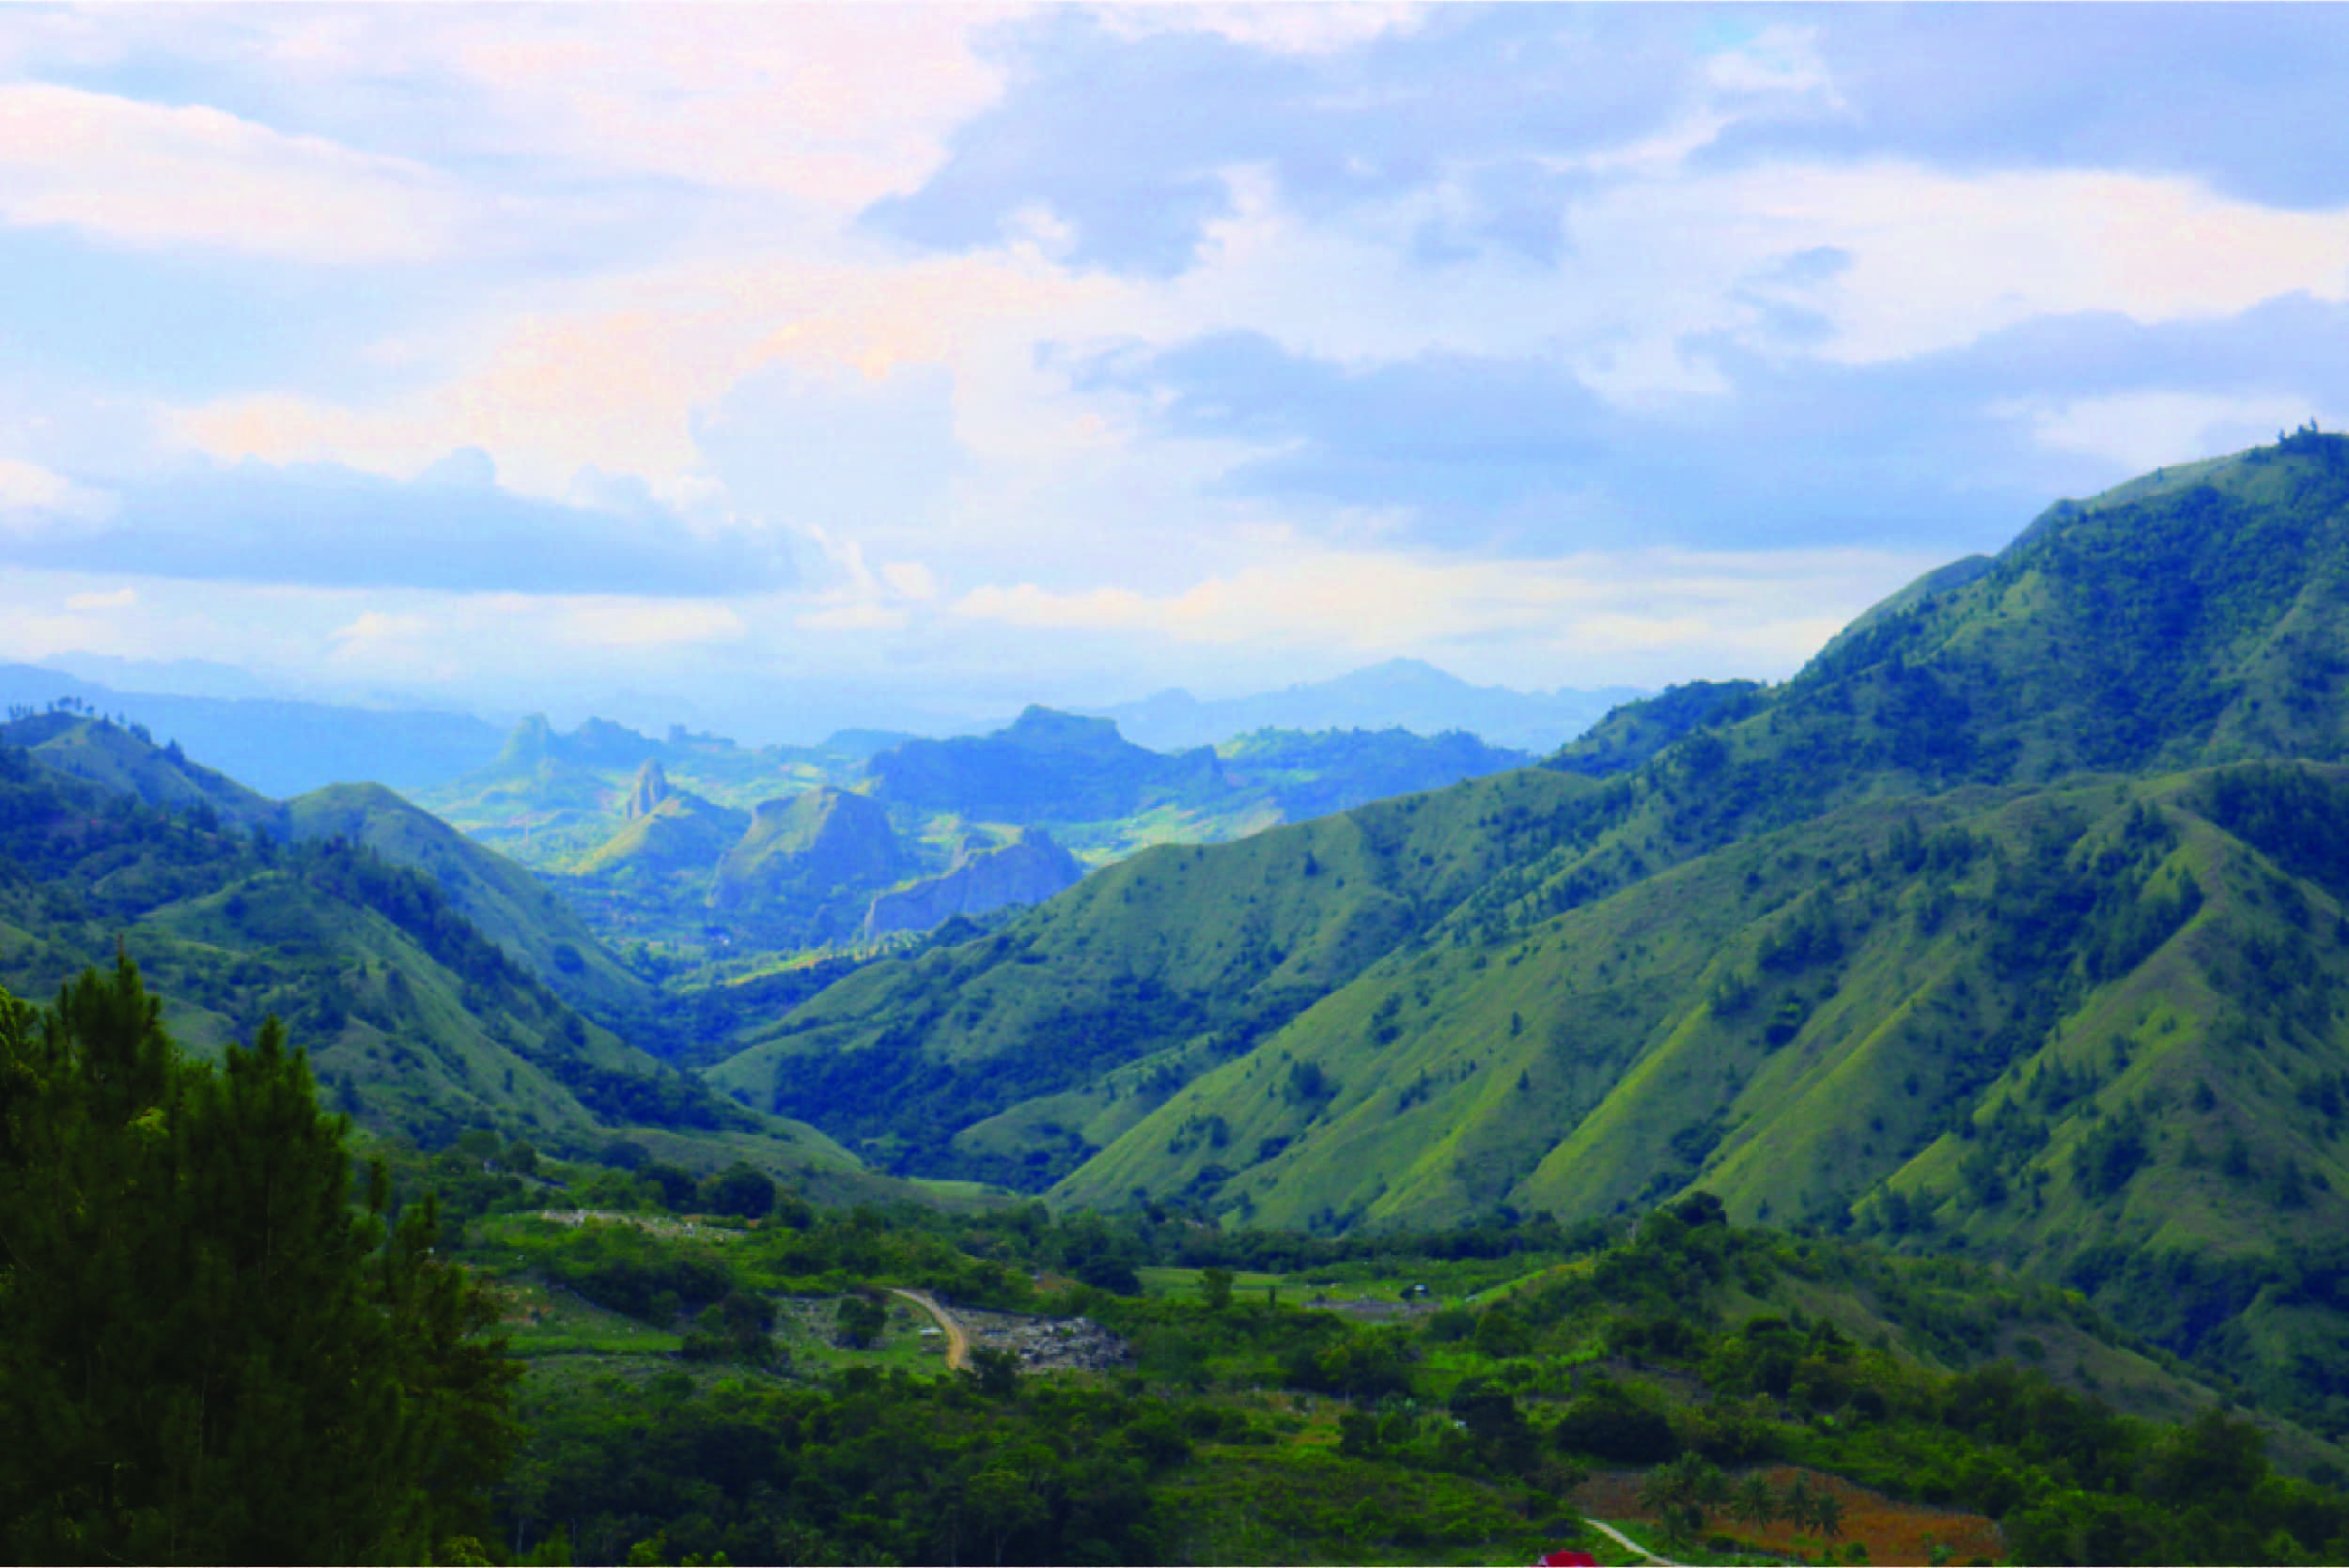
column 1606, row 1423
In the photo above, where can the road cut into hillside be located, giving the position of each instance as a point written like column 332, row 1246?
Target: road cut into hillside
column 957, row 1342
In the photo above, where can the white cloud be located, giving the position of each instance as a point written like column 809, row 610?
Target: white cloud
column 1750, row 610
column 159, row 176
column 1278, row 28
column 834, row 106
column 613, row 372
column 622, row 624
column 859, row 616
column 111, row 599
column 2142, row 430
column 34, row 500
column 911, row 579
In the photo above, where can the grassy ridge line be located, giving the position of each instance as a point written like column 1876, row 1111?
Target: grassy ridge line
column 1176, row 947
column 1606, row 1028
column 508, row 904
column 418, row 1025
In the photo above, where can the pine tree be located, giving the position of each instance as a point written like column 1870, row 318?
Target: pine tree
column 208, row 1352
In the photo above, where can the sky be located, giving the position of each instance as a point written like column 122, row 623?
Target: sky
column 781, row 368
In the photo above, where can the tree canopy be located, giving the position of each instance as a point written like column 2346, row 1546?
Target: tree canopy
column 209, row 1351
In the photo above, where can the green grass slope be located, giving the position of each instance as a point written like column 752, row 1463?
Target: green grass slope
column 2093, row 1031
column 683, row 837
column 418, row 1024
column 1129, row 982
column 125, row 762
column 507, row 903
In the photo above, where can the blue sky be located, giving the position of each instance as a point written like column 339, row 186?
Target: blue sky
column 774, row 366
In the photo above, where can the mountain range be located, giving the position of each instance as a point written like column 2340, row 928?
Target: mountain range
column 696, row 845
column 282, row 745
column 2013, row 926
column 1400, row 693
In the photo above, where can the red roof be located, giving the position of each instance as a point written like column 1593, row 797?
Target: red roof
column 1566, row 1559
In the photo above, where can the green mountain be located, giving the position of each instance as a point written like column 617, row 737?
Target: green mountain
column 806, row 869
column 504, row 902
column 2009, row 926
column 670, row 834
column 1313, row 774
column 124, row 761
column 417, row 1023
column 632, row 830
column 1134, row 979
column 1046, row 766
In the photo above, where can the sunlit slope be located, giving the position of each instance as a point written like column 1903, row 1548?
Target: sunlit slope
column 508, row 905
column 1187, row 955
column 1995, row 1014
column 2193, row 617
column 121, row 762
column 683, row 837
column 417, row 1023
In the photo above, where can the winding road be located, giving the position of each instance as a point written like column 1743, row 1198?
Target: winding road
column 957, row 1342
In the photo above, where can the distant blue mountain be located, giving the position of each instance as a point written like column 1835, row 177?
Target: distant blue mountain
column 278, row 745
column 1401, row 693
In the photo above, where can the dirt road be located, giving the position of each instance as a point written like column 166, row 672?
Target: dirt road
column 957, row 1342
column 1629, row 1543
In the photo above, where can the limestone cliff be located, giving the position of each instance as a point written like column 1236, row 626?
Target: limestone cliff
column 1028, row 871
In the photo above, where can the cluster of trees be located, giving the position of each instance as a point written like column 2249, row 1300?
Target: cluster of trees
column 212, row 1348
column 1500, row 1397
column 1687, row 1495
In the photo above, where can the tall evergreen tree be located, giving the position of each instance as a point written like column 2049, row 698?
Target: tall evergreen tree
column 207, row 1351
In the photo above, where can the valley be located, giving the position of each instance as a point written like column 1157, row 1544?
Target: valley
column 2001, row 954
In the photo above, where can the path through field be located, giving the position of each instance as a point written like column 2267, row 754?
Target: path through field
column 1629, row 1543
column 957, row 1342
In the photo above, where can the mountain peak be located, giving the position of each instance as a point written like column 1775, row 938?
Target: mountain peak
column 650, row 789
column 1050, row 727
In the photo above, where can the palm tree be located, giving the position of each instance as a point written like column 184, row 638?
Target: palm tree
column 1754, row 1503
column 1795, row 1507
column 1708, row 1489
column 1827, row 1514
column 1666, row 1487
column 1668, row 1493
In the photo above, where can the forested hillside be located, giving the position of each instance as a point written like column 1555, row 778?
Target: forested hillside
column 2009, row 926
column 418, row 1022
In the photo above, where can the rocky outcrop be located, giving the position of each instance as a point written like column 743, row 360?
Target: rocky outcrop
column 814, row 845
column 651, row 788
column 1028, row 871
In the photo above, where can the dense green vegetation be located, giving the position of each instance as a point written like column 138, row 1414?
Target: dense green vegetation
column 1929, row 1077
column 1248, row 1421
column 209, row 1352
column 419, row 1024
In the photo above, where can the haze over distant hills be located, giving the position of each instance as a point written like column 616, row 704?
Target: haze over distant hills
column 1401, row 693
column 283, row 744
column 278, row 745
